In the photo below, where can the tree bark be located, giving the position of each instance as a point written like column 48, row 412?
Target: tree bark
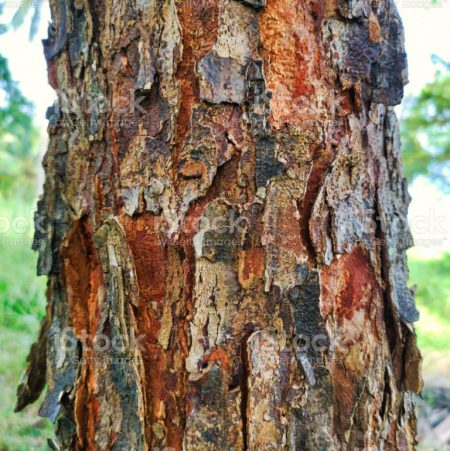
column 224, row 207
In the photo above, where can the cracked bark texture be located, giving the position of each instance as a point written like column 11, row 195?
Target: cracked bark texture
column 223, row 178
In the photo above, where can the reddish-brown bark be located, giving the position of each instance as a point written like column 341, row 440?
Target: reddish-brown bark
column 234, row 206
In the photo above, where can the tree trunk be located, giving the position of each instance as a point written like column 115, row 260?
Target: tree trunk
column 224, row 228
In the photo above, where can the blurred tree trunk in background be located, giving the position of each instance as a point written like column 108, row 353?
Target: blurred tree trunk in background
column 223, row 227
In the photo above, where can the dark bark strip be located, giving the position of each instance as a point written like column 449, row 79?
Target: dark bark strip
column 224, row 205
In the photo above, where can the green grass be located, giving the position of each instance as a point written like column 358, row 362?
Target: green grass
column 22, row 305
column 432, row 278
column 22, row 294
column 25, row 430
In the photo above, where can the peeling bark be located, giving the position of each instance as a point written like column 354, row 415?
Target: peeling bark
column 224, row 205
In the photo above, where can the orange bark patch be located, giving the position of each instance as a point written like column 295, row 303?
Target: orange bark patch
column 193, row 169
column 344, row 399
column 86, row 409
column 292, row 59
column 193, row 216
column 251, row 266
column 348, row 284
column 351, row 294
column 220, row 355
column 82, row 275
column 74, row 254
column 374, row 28
column 163, row 369
column 198, row 30
column 149, row 256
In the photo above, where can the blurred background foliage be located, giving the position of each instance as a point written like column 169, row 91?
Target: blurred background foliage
column 19, row 137
column 425, row 129
column 426, row 150
column 22, row 294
